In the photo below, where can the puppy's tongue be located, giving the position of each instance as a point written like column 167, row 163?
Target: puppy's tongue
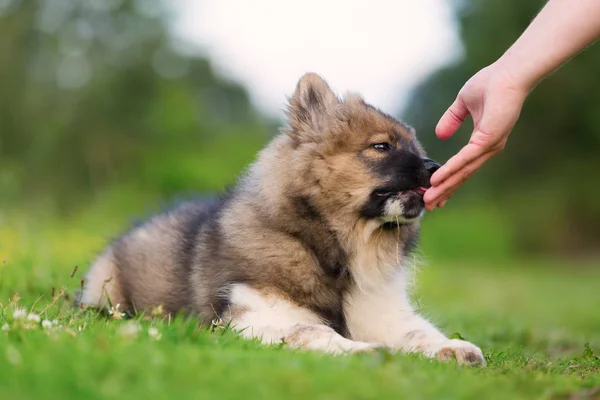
column 420, row 190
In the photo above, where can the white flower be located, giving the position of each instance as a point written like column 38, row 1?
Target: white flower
column 129, row 329
column 33, row 317
column 5, row 328
column 154, row 333
column 19, row 313
column 46, row 324
column 116, row 313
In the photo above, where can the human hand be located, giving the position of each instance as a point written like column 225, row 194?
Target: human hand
column 494, row 101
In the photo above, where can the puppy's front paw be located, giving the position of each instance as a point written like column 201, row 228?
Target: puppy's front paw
column 362, row 347
column 465, row 353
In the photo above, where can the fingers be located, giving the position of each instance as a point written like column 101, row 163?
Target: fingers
column 468, row 154
column 438, row 195
column 446, row 180
column 443, row 201
column 451, row 120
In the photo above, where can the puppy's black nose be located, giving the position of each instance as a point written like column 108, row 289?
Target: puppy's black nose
column 430, row 165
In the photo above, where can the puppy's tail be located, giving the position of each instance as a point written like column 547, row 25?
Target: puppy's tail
column 101, row 287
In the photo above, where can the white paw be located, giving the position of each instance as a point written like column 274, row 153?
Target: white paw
column 465, row 353
column 323, row 338
column 360, row 347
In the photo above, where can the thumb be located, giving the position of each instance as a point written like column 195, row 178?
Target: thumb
column 451, row 120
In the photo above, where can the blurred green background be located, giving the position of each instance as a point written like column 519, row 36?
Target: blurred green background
column 104, row 116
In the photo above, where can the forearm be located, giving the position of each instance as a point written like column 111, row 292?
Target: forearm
column 562, row 29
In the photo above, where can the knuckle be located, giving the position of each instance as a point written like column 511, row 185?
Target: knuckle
column 499, row 148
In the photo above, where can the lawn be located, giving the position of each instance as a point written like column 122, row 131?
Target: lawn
column 533, row 320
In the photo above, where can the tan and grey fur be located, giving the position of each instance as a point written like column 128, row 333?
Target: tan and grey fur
column 311, row 248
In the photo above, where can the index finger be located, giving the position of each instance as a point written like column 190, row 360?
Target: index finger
column 465, row 156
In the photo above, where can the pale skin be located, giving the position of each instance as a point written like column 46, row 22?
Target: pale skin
column 495, row 95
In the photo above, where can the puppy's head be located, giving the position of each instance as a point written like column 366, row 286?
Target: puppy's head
column 360, row 162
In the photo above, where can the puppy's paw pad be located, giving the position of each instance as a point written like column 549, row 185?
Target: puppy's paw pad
column 465, row 353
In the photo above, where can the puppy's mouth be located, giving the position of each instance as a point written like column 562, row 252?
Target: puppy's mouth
column 399, row 201
column 401, row 207
column 419, row 191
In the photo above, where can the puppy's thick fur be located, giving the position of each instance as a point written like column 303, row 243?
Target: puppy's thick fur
column 311, row 248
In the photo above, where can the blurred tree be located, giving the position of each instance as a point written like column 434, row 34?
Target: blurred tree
column 97, row 91
column 545, row 180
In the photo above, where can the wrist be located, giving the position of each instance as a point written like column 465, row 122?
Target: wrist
column 511, row 73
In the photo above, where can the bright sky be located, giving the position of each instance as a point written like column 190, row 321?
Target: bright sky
column 380, row 48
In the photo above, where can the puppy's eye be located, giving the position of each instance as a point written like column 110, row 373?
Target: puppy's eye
column 382, row 147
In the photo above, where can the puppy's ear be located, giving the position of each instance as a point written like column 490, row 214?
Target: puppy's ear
column 311, row 108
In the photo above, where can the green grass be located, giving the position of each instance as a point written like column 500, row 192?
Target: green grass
column 531, row 318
